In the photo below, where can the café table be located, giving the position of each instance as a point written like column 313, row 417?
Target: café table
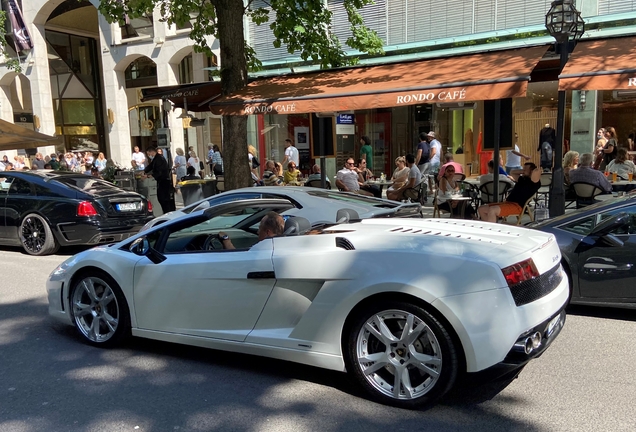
column 623, row 185
column 379, row 183
column 462, row 202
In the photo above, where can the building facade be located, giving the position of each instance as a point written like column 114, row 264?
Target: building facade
column 83, row 79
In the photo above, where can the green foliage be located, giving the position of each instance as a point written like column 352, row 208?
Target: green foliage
column 11, row 63
column 303, row 25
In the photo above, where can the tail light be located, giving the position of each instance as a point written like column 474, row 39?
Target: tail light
column 520, row 272
column 149, row 206
column 85, row 208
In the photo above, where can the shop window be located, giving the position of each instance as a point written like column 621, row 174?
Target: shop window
column 140, row 27
column 141, row 73
column 78, row 112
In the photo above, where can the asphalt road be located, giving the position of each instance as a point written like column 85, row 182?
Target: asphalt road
column 50, row 381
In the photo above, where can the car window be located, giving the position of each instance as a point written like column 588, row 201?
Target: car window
column 223, row 199
column 88, row 184
column 585, row 225
column 44, row 191
column 20, row 187
column 5, row 184
column 195, row 238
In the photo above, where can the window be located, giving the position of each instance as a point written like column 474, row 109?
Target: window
column 88, row 184
column 223, row 199
column 20, row 187
column 587, row 224
column 141, row 73
column 137, row 27
column 5, row 184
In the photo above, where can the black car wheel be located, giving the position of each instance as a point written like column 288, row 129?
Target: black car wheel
column 36, row 236
column 401, row 355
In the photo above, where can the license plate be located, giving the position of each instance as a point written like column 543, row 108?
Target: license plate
column 127, row 207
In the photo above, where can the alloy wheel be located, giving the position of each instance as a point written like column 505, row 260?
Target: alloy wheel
column 398, row 354
column 33, row 234
column 95, row 309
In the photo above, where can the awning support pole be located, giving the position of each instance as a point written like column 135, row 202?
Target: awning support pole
column 495, row 153
column 557, row 191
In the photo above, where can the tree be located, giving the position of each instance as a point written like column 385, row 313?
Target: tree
column 303, row 25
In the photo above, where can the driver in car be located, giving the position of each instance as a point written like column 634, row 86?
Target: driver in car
column 272, row 225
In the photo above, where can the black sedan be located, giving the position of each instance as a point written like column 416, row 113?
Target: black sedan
column 598, row 245
column 42, row 211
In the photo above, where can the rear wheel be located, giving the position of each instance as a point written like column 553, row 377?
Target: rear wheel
column 99, row 308
column 401, row 355
column 36, row 236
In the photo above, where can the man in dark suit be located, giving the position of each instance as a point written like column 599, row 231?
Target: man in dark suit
column 158, row 167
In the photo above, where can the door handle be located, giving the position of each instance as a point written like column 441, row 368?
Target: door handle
column 261, row 275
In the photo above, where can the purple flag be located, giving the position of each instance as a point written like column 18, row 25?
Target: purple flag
column 20, row 32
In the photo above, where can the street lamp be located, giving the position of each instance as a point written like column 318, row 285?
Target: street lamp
column 565, row 24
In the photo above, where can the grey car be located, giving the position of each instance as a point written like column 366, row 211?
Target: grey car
column 598, row 245
column 316, row 205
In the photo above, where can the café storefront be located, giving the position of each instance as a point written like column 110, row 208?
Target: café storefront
column 391, row 104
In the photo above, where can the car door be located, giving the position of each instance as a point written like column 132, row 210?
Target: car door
column 207, row 293
column 19, row 201
column 5, row 184
column 609, row 271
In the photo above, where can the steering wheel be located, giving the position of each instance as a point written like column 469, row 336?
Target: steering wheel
column 212, row 243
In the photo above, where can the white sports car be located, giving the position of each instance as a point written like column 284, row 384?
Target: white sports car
column 405, row 306
column 317, row 205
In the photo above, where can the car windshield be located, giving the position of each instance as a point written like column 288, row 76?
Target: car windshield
column 88, row 184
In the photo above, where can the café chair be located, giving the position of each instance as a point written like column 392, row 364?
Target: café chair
column 317, row 184
column 525, row 210
column 220, row 184
column 585, row 193
column 417, row 193
column 436, row 209
column 544, row 190
column 487, row 194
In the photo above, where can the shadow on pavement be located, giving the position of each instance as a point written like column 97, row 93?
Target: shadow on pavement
column 54, row 382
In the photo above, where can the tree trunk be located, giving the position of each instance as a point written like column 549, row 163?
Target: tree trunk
column 230, row 14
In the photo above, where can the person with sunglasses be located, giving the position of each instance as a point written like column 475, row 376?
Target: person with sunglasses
column 347, row 179
column 448, row 187
column 292, row 174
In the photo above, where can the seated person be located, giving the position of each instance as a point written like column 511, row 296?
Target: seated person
column 448, row 160
column 400, row 175
column 622, row 166
column 292, row 174
column 586, row 174
column 365, row 174
column 527, row 185
column 191, row 174
column 270, row 178
column 347, row 179
column 447, row 187
column 315, row 175
column 272, row 225
column 415, row 178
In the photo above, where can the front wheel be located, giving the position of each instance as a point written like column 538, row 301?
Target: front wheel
column 99, row 308
column 401, row 355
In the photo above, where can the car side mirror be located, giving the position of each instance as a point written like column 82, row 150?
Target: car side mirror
column 610, row 224
column 612, row 240
column 141, row 247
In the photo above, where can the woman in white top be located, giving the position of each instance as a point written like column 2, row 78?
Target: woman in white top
column 180, row 164
column 447, row 188
column 193, row 161
column 100, row 162
column 621, row 165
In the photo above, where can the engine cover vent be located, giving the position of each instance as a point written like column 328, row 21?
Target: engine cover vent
column 345, row 244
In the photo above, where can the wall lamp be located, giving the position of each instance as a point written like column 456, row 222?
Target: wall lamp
column 582, row 102
column 111, row 116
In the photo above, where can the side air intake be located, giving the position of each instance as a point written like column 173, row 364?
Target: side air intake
column 343, row 243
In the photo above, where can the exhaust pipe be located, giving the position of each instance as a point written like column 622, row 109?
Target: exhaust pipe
column 532, row 343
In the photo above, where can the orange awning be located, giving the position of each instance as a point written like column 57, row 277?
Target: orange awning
column 484, row 76
column 608, row 64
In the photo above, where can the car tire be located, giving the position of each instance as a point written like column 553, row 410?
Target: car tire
column 36, row 236
column 423, row 361
column 99, row 309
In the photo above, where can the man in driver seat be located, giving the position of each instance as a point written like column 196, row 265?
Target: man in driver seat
column 271, row 225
